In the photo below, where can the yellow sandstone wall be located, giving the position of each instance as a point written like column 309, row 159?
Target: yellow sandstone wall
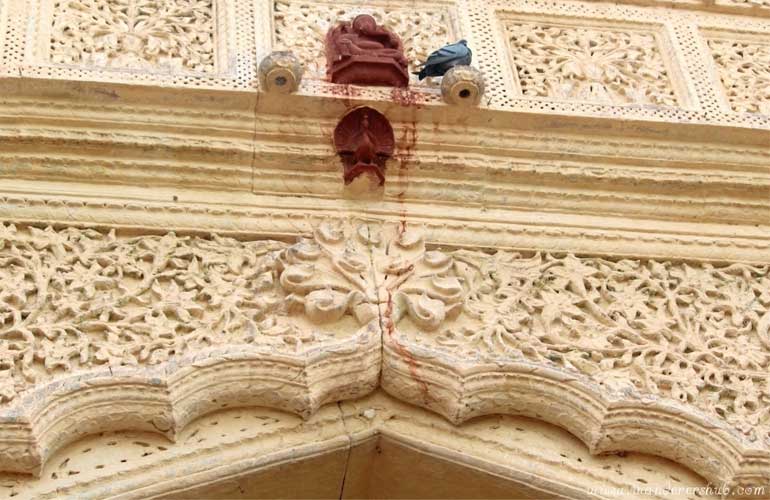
column 584, row 255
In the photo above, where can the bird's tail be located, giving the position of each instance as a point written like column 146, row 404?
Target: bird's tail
column 420, row 74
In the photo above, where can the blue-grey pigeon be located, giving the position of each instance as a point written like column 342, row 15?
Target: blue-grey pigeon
column 445, row 58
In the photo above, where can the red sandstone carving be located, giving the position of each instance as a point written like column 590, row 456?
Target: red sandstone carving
column 364, row 140
column 363, row 53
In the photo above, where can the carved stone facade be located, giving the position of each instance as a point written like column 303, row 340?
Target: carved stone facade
column 80, row 299
column 560, row 291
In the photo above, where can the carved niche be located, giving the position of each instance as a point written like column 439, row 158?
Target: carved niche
column 361, row 52
column 364, row 140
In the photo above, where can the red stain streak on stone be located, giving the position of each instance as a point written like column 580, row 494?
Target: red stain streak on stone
column 405, row 97
column 407, row 142
column 346, row 92
column 406, row 355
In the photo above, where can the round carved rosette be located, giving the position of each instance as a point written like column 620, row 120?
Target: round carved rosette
column 280, row 72
column 463, row 85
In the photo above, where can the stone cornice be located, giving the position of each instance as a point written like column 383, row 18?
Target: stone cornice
column 284, row 217
column 85, row 146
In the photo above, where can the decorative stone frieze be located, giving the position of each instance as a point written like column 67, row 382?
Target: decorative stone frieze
column 220, row 46
column 606, row 348
column 588, row 247
column 175, row 43
column 176, row 35
column 693, row 333
column 744, row 70
column 589, row 54
column 87, row 318
column 605, row 66
column 84, row 311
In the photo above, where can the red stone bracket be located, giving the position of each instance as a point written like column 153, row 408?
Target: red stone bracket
column 364, row 140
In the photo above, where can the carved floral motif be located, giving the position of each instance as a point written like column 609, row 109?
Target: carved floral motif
column 172, row 35
column 744, row 69
column 302, row 27
column 589, row 64
column 415, row 282
column 74, row 299
column 696, row 333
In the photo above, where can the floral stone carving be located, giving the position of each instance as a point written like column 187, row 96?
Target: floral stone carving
column 76, row 299
column 699, row 334
column 363, row 53
column 470, row 330
column 135, row 34
column 364, row 140
column 662, row 357
column 744, row 68
column 92, row 317
column 589, row 64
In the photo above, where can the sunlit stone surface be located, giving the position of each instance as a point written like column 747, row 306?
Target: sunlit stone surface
column 561, row 288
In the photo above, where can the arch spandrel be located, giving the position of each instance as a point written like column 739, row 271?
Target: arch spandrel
column 150, row 332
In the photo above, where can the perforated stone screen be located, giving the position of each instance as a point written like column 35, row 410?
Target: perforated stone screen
column 700, row 63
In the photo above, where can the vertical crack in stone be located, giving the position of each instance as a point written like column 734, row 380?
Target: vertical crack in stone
column 350, row 450
column 382, row 318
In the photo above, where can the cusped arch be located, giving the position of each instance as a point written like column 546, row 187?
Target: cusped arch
column 165, row 398
column 259, row 452
column 605, row 421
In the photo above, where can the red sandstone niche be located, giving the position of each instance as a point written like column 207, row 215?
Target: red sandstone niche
column 364, row 140
column 360, row 52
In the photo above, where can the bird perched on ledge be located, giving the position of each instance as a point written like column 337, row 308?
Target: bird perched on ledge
column 445, row 58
